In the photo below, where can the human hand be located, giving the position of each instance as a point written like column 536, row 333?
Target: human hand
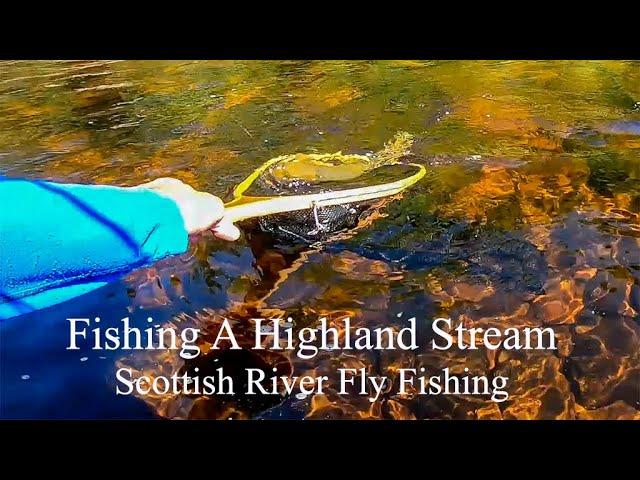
column 200, row 211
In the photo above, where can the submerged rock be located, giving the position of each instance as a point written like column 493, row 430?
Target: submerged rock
column 504, row 259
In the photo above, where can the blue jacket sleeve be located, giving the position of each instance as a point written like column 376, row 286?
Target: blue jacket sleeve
column 58, row 241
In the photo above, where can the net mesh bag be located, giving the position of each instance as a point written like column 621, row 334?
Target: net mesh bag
column 293, row 177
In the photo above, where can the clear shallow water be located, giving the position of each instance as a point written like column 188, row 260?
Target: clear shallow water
column 528, row 216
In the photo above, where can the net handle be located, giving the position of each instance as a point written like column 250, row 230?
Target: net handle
column 243, row 208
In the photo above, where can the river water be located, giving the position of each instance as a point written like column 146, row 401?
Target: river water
column 528, row 216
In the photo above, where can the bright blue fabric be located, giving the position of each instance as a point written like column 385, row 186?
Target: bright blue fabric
column 58, row 241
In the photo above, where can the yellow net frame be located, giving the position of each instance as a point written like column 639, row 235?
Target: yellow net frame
column 244, row 207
